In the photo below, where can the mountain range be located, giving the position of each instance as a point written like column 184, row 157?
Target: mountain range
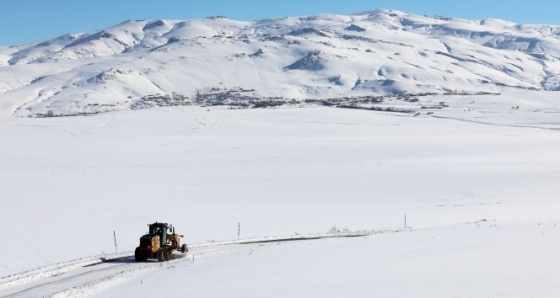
column 297, row 60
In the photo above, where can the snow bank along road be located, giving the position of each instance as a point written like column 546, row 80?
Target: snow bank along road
column 83, row 275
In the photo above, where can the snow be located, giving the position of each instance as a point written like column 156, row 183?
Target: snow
column 70, row 182
column 472, row 163
column 471, row 260
column 311, row 57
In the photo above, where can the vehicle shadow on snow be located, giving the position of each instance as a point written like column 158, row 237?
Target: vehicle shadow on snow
column 130, row 259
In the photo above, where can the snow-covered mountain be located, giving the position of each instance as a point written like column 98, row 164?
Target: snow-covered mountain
column 143, row 63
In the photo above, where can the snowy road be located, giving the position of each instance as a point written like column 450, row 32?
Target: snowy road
column 83, row 276
column 74, row 277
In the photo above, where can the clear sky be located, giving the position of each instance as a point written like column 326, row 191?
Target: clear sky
column 23, row 21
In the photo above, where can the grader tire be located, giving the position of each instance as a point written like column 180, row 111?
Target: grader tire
column 138, row 256
column 184, row 248
column 168, row 254
column 161, row 255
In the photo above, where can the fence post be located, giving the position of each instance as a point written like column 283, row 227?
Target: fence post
column 115, row 237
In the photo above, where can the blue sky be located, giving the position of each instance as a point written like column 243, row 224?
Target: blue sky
column 23, row 21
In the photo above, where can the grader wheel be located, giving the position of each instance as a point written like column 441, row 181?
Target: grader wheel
column 168, row 254
column 138, row 255
column 161, row 255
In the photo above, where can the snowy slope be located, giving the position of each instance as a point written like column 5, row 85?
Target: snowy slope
column 314, row 57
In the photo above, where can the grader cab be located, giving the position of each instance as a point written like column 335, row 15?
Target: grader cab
column 159, row 243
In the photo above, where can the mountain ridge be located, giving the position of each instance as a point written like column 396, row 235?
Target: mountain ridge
column 374, row 53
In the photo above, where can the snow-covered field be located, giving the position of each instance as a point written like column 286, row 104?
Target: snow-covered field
column 486, row 260
column 477, row 182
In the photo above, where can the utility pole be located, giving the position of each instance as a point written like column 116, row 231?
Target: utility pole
column 238, row 230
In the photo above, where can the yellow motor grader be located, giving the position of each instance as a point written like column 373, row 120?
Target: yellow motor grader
column 159, row 243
